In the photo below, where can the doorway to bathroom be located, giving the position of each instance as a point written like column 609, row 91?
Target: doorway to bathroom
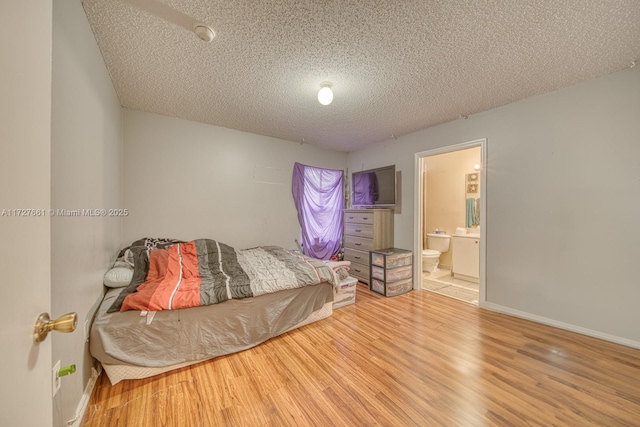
column 449, row 215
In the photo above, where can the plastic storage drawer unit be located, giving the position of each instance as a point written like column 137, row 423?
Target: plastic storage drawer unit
column 391, row 271
column 346, row 293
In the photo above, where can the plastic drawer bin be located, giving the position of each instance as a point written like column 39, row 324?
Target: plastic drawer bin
column 347, row 293
column 391, row 289
column 392, row 260
column 392, row 275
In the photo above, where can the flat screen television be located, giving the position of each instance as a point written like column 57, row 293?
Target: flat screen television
column 374, row 187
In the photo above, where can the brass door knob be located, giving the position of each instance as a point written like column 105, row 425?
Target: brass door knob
column 44, row 325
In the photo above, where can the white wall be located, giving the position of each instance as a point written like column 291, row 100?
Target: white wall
column 188, row 180
column 86, row 173
column 563, row 206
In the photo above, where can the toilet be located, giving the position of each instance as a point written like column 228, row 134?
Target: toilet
column 436, row 244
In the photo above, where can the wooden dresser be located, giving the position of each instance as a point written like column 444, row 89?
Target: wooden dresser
column 366, row 230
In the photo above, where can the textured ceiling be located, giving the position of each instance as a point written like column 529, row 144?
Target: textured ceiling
column 396, row 66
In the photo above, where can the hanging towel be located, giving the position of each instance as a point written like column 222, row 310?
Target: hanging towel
column 471, row 211
column 476, row 216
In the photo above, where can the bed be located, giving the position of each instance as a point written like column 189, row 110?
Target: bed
column 186, row 302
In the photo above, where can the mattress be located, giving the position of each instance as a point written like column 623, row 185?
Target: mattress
column 168, row 339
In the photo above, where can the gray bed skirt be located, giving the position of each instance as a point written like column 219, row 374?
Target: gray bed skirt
column 168, row 339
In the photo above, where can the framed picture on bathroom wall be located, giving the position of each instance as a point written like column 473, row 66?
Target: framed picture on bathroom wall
column 472, row 188
column 472, row 177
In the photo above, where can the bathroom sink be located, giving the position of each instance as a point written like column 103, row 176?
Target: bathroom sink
column 469, row 235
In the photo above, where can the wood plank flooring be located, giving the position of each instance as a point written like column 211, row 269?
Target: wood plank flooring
column 419, row 359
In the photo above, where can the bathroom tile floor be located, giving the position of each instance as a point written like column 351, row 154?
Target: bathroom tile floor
column 442, row 282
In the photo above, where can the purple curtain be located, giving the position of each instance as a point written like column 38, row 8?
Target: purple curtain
column 319, row 197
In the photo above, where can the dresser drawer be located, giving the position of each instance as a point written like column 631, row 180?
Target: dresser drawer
column 359, row 243
column 359, row 217
column 359, row 230
column 356, row 256
column 365, row 218
column 351, row 217
column 359, row 271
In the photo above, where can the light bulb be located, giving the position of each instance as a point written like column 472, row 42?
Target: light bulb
column 325, row 95
column 477, row 167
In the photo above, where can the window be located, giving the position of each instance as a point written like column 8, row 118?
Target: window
column 319, row 198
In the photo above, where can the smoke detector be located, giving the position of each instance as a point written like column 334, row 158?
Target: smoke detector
column 205, row 32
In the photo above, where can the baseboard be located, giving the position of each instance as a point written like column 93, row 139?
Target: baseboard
column 466, row 278
column 561, row 325
column 84, row 400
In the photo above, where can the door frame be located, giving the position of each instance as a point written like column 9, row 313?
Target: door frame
column 418, row 203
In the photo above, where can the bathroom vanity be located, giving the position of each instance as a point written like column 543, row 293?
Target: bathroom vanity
column 466, row 257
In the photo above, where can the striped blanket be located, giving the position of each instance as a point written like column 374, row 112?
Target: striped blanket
column 176, row 275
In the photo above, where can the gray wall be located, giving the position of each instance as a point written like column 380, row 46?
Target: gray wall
column 563, row 202
column 189, row 180
column 86, row 173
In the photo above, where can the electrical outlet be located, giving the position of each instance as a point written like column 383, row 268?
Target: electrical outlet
column 55, row 378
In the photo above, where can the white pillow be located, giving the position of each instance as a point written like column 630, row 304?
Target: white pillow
column 122, row 264
column 118, row 277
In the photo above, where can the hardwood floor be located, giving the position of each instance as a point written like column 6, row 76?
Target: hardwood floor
column 419, row 359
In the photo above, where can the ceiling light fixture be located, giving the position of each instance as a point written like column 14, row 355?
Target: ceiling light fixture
column 325, row 95
column 205, row 32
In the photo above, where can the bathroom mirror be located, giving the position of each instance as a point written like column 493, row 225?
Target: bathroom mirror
column 472, row 199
